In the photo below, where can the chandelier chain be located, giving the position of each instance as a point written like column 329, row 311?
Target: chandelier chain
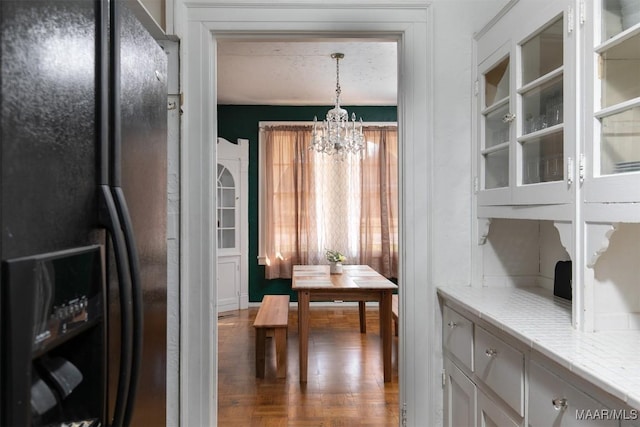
column 338, row 90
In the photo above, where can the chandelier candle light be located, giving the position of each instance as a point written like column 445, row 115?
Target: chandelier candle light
column 337, row 136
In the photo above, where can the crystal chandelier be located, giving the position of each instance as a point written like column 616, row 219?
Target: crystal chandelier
column 337, row 135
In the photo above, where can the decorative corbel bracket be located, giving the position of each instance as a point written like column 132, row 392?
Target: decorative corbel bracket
column 598, row 237
column 483, row 230
column 565, row 230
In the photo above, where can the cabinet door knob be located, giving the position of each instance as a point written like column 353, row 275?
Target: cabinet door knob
column 508, row 118
column 560, row 403
column 491, row 352
column 452, row 324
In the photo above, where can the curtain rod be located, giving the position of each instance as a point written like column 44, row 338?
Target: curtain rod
column 262, row 125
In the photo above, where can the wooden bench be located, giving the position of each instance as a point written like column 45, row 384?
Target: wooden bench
column 394, row 311
column 273, row 316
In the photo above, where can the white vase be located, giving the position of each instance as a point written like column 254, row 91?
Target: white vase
column 335, row 268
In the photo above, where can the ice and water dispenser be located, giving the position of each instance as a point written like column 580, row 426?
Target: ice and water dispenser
column 52, row 351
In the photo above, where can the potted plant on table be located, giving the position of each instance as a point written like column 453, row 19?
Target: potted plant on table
column 335, row 259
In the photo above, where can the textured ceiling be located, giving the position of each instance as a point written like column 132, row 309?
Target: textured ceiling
column 285, row 72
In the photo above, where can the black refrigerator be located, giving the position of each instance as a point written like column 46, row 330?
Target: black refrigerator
column 82, row 216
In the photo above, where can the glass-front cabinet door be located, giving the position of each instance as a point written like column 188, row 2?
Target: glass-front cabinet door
column 527, row 120
column 496, row 119
column 546, row 131
column 226, row 209
column 613, row 122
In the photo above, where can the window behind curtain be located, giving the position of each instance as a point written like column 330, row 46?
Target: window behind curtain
column 312, row 202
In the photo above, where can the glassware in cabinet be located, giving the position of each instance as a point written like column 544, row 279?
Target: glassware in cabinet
column 542, row 104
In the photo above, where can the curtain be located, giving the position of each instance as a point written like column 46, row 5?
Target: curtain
column 378, row 234
column 290, row 200
column 315, row 203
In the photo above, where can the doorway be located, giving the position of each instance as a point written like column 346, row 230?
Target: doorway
column 409, row 25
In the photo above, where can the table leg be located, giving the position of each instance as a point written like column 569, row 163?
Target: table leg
column 303, row 332
column 385, row 332
column 363, row 317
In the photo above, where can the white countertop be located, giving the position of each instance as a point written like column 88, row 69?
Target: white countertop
column 610, row 360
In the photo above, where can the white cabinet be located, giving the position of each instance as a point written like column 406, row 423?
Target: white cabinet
column 232, row 224
column 555, row 402
column 526, row 103
column 459, row 398
column 558, row 139
column 513, row 384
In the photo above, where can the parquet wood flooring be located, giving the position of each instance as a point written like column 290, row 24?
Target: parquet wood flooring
column 345, row 384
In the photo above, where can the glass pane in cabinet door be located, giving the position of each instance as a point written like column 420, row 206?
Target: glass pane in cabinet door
column 496, row 131
column 496, row 83
column 543, row 106
column 225, row 178
column 226, row 239
column 228, row 218
column 496, row 169
column 228, row 198
column 621, row 71
column 543, row 159
column 620, row 142
column 542, row 53
column 618, row 16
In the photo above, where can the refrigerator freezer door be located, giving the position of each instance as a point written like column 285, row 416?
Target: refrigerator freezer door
column 48, row 127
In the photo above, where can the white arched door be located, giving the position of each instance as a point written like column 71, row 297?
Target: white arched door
column 232, row 224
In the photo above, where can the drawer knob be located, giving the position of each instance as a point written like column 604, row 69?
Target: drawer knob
column 491, row 352
column 452, row 324
column 560, row 403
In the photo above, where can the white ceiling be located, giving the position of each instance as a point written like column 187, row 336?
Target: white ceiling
column 286, row 72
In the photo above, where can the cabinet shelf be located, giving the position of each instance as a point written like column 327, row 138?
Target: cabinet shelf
column 493, row 107
column 541, row 133
column 540, row 81
column 619, row 38
column 617, row 108
column 497, row 147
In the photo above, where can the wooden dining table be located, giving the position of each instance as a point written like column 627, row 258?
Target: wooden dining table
column 358, row 283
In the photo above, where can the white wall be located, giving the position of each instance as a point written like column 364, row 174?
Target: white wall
column 455, row 21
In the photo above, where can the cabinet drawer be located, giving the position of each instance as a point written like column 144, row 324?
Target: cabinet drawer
column 553, row 401
column 457, row 336
column 501, row 367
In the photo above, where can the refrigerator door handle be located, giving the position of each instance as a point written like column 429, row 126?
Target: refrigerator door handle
column 136, row 294
column 111, row 221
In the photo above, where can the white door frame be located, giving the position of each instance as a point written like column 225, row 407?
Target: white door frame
column 408, row 21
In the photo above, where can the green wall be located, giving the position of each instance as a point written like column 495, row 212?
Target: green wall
column 241, row 121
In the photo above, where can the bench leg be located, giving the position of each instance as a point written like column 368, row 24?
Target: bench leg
column 363, row 317
column 260, row 352
column 281, row 352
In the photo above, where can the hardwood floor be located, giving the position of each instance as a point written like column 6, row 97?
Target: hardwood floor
column 345, row 384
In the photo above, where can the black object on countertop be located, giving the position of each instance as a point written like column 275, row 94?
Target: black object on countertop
column 562, row 280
